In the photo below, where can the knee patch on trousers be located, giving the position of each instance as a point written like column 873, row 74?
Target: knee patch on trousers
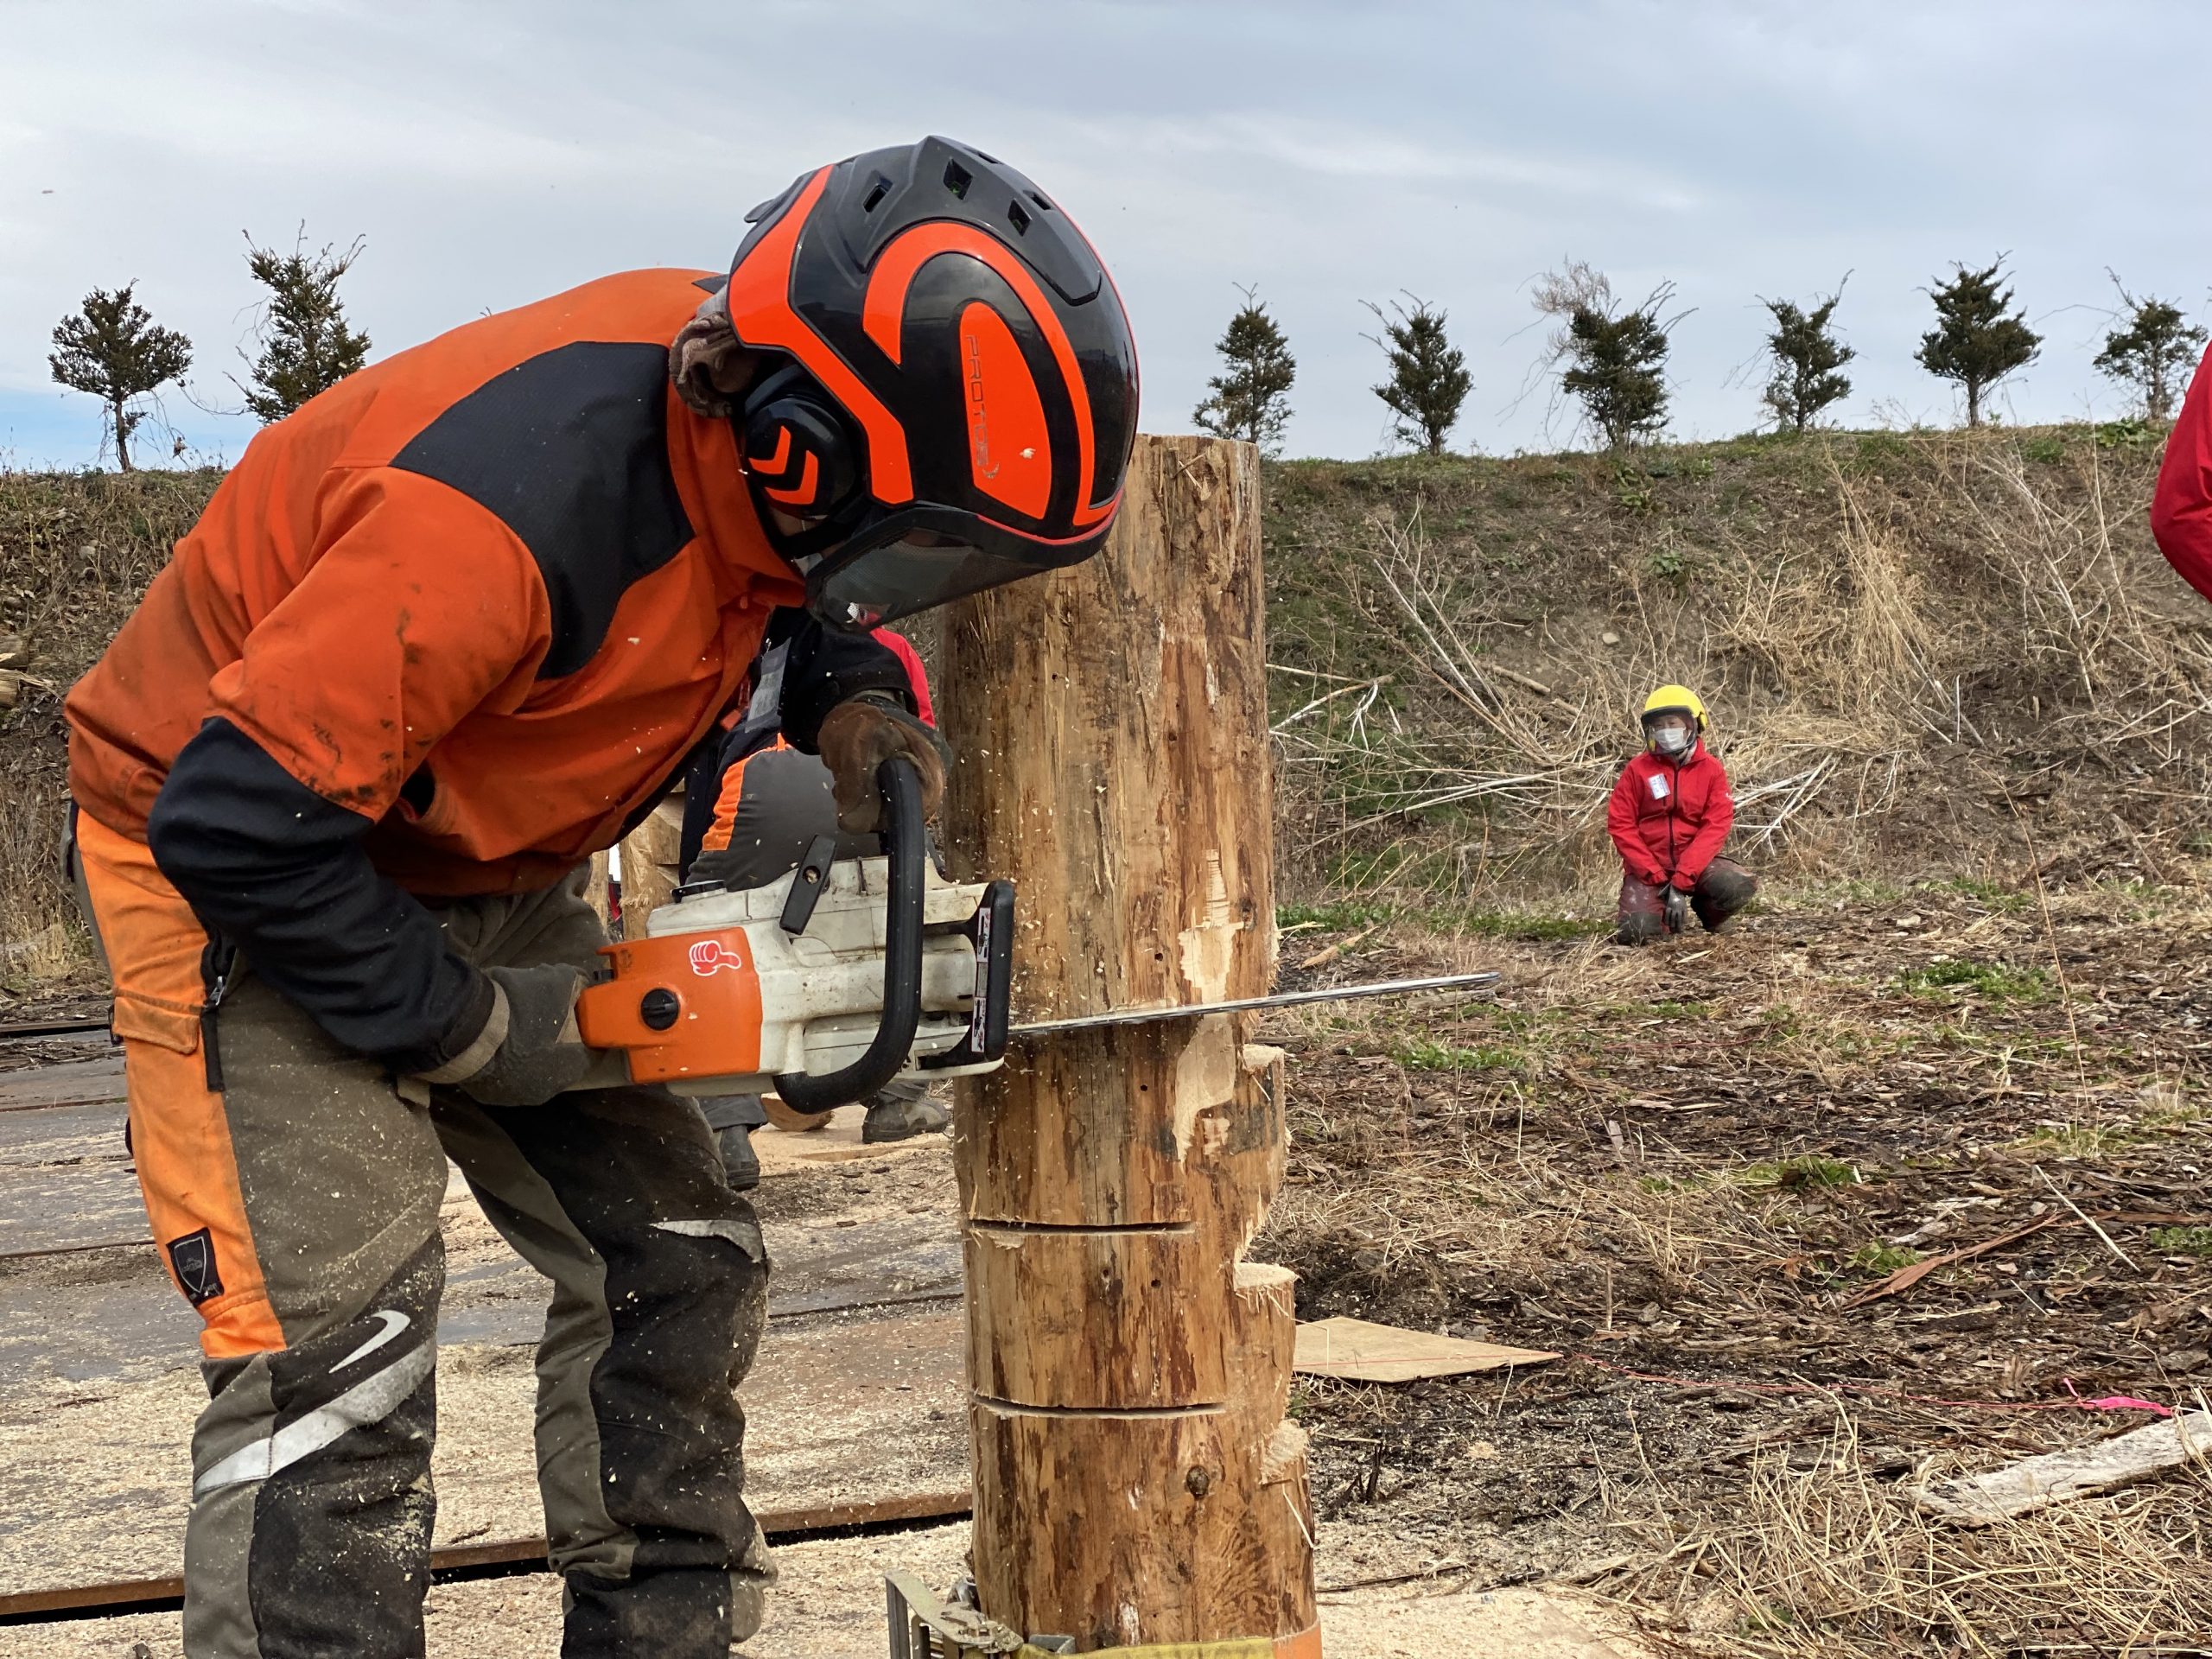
column 310, row 1529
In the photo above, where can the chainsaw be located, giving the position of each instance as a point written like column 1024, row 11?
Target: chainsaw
column 829, row 982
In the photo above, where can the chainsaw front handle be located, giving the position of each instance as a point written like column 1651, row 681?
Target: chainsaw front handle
column 904, row 839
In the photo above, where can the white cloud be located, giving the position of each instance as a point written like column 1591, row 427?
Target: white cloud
column 494, row 152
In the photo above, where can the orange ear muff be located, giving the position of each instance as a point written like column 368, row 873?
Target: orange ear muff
column 798, row 451
column 802, row 493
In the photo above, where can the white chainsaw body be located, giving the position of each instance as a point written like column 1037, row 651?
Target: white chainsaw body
column 822, row 990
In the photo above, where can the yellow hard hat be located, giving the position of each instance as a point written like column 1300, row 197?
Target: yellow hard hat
column 1674, row 700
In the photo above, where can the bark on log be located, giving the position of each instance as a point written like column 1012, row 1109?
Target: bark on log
column 1135, row 1481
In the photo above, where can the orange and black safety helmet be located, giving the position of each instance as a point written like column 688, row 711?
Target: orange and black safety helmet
column 953, row 391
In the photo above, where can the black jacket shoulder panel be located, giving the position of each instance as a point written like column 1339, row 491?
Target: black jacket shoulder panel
column 570, row 450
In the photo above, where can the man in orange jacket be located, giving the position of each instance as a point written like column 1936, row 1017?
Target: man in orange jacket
column 441, row 635
column 1669, row 816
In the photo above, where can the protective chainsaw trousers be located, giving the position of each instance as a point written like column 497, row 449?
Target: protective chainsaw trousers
column 1725, row 888
column 294, row 1190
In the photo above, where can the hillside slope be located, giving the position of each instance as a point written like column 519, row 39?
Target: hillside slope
column 1922, row 652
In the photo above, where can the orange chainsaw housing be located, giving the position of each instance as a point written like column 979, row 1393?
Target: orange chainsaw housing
column 716, row 1029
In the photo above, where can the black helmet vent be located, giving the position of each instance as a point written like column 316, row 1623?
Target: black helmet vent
column 957, row 178
column 876, row 191
column 1017, row 218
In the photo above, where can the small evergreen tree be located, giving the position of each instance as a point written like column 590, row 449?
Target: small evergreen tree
column 307, row 345
column 113, row 350
column 1428, row 374
column 1807, row 361
column 1616, row 358
column 1251, row 398
column 2153, row 352
column 1978, row 339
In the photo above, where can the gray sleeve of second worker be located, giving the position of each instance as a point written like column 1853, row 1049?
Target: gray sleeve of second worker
column 786, row 802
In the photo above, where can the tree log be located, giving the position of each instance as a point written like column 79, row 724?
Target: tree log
column 1135, row 1480
column 651, row 853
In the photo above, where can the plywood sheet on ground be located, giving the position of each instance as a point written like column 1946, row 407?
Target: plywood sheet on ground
column 1366, row 1352
column 830, row 1605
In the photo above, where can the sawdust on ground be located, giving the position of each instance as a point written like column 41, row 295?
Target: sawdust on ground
column 829, row 1604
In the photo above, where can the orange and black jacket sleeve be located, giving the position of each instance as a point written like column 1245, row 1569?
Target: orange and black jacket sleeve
column 2181, row 511
column 419, row 608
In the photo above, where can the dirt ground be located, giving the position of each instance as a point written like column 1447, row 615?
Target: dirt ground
column 829, row 1604
column 1689, row 1169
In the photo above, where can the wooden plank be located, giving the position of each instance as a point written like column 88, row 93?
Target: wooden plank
column 72, row 1083
column 2079, row 1471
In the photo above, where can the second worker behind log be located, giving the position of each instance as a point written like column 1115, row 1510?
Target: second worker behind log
column 754, row 803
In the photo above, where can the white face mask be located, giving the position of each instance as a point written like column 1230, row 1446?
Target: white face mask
column 1672, row 739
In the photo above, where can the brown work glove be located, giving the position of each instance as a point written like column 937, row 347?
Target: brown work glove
column 859, row 735
column 706, row 362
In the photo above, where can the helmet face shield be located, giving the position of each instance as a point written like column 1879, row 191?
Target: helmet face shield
column 921, row 559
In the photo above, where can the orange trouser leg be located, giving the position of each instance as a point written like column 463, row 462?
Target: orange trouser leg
column 180, row 1134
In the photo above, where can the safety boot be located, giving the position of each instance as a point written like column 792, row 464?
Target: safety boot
column 900, row 1111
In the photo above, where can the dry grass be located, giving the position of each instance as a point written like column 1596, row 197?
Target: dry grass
column 1890, row 655
column 75, row 553
column 1831, row 1563
column 1681, row 1167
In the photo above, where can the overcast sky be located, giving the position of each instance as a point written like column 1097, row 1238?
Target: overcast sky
column 492, row 153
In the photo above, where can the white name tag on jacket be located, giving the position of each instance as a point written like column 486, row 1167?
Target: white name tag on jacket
column 1658, row 787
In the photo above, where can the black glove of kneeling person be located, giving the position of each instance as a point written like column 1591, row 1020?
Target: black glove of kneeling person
column 529, row 1049
column 1678, row 910
column 859, row 735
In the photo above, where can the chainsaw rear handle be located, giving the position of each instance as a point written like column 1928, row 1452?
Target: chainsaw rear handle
column 904, row 837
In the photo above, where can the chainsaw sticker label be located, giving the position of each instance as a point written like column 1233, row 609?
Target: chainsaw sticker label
column 1658, row 787
column 980, row 1011
column 708, row 957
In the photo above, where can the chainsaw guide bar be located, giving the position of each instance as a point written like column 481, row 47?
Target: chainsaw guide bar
column 1280, row 999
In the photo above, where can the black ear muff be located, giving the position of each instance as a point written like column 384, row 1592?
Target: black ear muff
column 802, row 457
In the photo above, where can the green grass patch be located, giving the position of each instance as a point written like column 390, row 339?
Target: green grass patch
column 1806, row 1169
column 2182, row 1241
column 1334, row 919
column 1878, row 1261
column 2130, row 434
column 2086, row 1141
column 1423, row 1055
column 1993, row 980
column 1990, row 895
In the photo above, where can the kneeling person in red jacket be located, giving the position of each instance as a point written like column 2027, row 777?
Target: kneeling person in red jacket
column 1670, row 813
